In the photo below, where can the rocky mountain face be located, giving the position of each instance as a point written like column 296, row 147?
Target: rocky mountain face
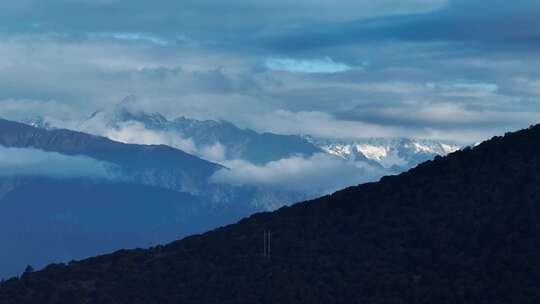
column 236, row 143
column 225, row 143
column 459, row 229
column 394, row 154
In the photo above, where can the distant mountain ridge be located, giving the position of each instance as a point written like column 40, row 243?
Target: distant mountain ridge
column 156, row 193
column 239, row 149
column 393, row 154
column 45, row 220
column 153, row 165
column 458, row 229
column 396, row 154
column 257, row 148
column 139, row 162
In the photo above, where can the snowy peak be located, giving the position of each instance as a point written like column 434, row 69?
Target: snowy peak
column 222, row 140
column 197, row 136
column 37, row 122
column 377, row 153
column 125, row 111
column 395, row 154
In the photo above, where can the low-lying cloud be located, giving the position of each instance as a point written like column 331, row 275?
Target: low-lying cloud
column 132, row 132
column 318, row 174
column 34, row 162
column 135, row 133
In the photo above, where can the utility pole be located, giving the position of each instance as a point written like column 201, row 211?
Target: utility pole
column 269, row 234
column 266, row 244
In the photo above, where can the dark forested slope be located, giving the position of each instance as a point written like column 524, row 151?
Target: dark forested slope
column 460, row 229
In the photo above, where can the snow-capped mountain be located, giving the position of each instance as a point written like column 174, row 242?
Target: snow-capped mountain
column 259, row 163
column 395, row 154
column 220, row 141
column 209, row 139
column 37, row 122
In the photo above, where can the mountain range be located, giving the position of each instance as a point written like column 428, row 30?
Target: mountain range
column 237, row 143
column 392, row 154
column 148, row 194
column 458, row 229
column 186, row 196
column 260, row 160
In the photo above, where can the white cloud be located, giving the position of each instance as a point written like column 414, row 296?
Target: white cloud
column 133, row 132
column 69, row 79
column 136, row 37
column 465, row 89
column 319, row 124
column 452, row 114
column 315, row 175
column 323, row 66
column 33, row 162
column 527, row 85
column 215, row 152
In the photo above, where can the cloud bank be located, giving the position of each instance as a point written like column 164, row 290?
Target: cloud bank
column 462, row 70
column 34, row 162
column 315, row 175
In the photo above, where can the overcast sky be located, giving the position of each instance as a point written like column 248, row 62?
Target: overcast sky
column 460, row 70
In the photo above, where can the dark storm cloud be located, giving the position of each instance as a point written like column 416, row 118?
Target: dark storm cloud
column 171, row 18
column 513, row 24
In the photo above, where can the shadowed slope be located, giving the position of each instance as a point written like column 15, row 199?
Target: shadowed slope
column 460, row 229
column 153, row 165
column 44, row 220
